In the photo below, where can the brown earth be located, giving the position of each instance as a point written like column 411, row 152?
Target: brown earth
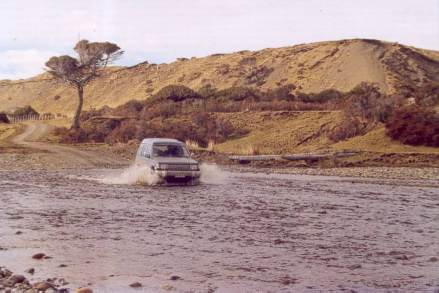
column 33, row 146
column 311, row 67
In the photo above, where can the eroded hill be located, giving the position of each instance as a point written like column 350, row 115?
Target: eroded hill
column 311, row 67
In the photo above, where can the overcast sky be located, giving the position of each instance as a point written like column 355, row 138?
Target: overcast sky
column 162, row 30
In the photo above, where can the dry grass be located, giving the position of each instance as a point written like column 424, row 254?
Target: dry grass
column 312, row 68
column 6, row 132
column 377, row 141
column 280, row 132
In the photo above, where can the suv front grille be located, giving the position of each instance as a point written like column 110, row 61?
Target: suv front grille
column 179, row 167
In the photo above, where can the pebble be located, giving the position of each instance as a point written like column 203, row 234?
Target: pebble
column 30, row 271
column 136, row 285
column 43, row 286
column 175, row 278
column 84, row 290
column 354, row 267
column 16, row 279
column 38, row 255
column 168, row 287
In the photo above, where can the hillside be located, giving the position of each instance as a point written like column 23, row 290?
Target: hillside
column 311, row 67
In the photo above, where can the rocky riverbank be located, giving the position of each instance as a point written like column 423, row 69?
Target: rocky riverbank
column 11, row 282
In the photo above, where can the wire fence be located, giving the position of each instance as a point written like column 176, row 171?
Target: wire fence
column 29, row 117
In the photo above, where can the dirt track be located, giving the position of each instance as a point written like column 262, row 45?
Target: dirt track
column 27, row 149
column 64, row 155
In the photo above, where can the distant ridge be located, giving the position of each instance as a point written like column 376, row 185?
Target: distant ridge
column 311, row 67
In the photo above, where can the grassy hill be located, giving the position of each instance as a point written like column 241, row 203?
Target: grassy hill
column 311, row 67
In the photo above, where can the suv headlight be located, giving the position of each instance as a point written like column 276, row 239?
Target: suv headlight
column 163, row 166
column 194, row 167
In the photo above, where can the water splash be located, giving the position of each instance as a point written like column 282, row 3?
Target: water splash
column 133, row 175
column 212, row 174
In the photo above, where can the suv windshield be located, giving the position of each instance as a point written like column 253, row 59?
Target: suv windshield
column 169, row 150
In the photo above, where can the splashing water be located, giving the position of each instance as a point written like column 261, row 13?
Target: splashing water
column 138, row 174
column 133, row 175
column 212, row 174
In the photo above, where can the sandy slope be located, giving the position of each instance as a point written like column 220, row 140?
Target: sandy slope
column 312, row 67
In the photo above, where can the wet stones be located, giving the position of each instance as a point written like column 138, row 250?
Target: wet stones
column 10, row 282
column 84, row 290
column 30, row 271
column 42, row 286
column 38, row 256
column 279, row 241
column 16, row 279
column 135, row 285
column 355, row 267
column 175, row 278
column 5, row 273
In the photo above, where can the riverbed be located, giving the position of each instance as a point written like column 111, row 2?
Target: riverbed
column 238, row 231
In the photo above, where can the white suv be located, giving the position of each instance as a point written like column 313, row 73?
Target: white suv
column 169, row 159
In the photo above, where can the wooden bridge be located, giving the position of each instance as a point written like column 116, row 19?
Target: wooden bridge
column 308, row 157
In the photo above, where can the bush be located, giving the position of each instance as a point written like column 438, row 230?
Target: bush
column 164, row 109
column 239, row 94
column 130, row 109
column 26, row 110
column 349, row 127
column 207, row 91
column 86, row 115
column 363, row 108
column 72, row 135
column 4, row 118
column 321, row 97
column 281, row 93
column 176, row 93
column 428, row 95
column 99, row 130
column 415, row 126
column 124, row 132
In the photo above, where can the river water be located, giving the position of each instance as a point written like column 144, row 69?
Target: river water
column 236, row 232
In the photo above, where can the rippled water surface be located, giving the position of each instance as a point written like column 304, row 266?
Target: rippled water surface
column 237, row 232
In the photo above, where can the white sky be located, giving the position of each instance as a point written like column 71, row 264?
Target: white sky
column 162, row 30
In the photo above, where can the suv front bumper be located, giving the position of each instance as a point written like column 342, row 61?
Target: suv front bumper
column 178, row 177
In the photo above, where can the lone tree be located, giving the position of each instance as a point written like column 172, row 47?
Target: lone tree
column 78, row 72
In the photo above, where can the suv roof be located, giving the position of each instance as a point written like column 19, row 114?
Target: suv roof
column 160, row 140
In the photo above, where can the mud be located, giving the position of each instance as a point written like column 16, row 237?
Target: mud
column 247, row 232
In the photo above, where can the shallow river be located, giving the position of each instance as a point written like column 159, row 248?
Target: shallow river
column 236, row 232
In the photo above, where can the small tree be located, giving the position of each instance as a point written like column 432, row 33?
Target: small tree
column 78, row 72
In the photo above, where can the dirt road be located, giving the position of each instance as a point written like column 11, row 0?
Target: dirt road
column 52, row 155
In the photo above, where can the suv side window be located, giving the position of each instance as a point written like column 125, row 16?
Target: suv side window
column 145, row 151
column 140, row 150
